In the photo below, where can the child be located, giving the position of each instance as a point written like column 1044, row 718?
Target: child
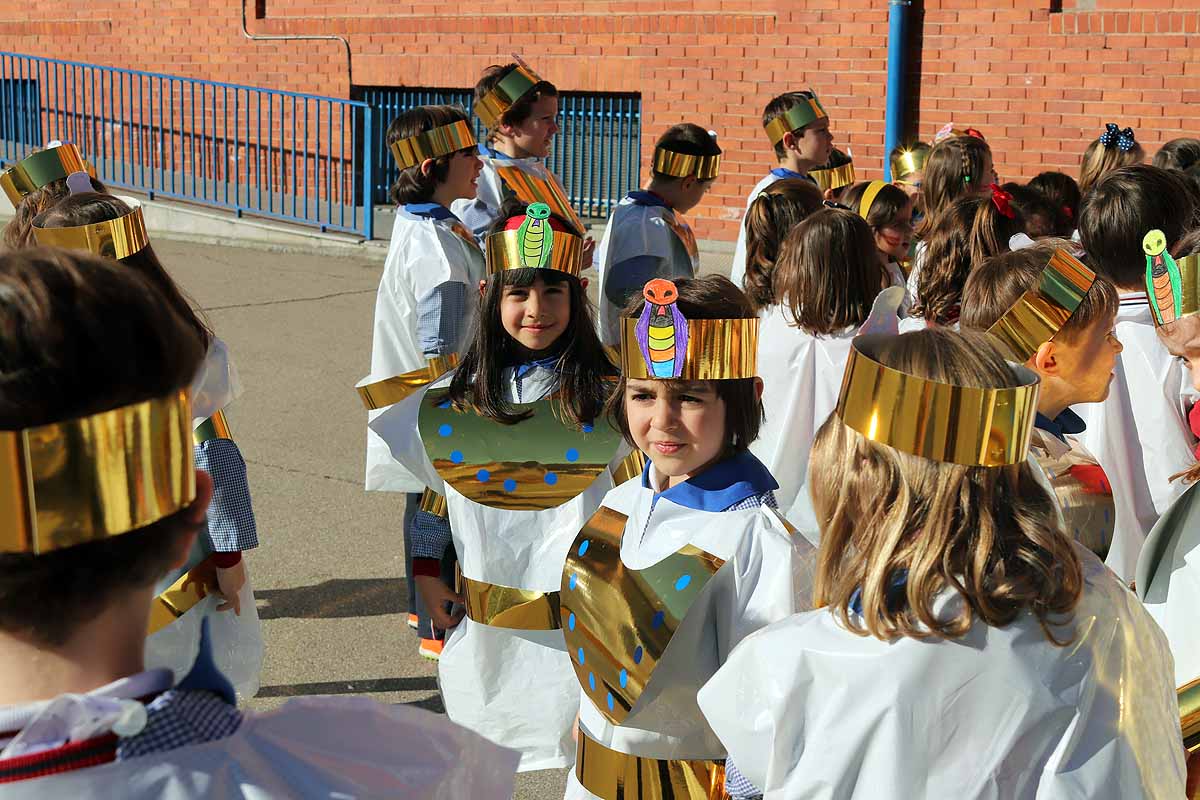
column 682, row 561
column 1140, row 433
column 1114, row 149
column 520, row 112
column 1063, row 193
column 797, row 126
column 111, row 227
column 962, row 646
column 1041, row 216
column 646, row 236
column 835, row 175
column 105, row 499
column 36, row 183
column 971, row 229
column 827, row 277
column 427, row 304
column 1056, row 316
column 1181, row 154
column 908, row 171
column 888, row 210
column 513, row 441
column 772, row 214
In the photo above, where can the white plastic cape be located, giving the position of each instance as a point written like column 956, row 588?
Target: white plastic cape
column 766, row 577
column 636, row 230
column 479, row 214
column 514, row 687
column 424, row 253
column 216, row 384
column 808, row 709
column 320, row 747
column 738, row 273
column 1140, row 435
column 1168, row 581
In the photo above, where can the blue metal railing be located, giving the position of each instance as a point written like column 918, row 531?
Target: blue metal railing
column 596, row 154
column 289, row 156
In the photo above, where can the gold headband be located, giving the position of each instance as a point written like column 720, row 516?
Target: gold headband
column 803, row 113
column 682, row 165
column 833, row 177
column 938, row 421
column 40, row 169
column 511, row 88
column 1189, row 275
column 1040, row 313
column 100, row 476
column 868, row 198
column 906, row 162
column 441, row 141
column 113, row 238
column 535, row 245
column 392, row 390
column 717, row 350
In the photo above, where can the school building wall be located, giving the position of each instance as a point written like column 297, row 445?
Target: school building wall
column 1038, row 77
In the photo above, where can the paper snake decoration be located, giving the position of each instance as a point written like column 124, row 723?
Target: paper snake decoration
column 535, row 236
column 662, row 331
column 1164, row 286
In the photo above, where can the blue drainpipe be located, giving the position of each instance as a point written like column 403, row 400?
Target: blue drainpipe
column 897, row 56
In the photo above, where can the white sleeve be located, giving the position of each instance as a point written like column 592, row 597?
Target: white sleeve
column 397, row 425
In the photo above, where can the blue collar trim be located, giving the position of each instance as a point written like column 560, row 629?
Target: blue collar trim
column 642, row 198
column 895, row 596
column 1066, row 422
column 429, row 211
column 784, row 172
column 548, row 363
column 204, row 675
column 484, row 150
column 722, row 485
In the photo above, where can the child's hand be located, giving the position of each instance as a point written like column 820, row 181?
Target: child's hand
column 436, row 594
column 204, row 576
column 229, row 583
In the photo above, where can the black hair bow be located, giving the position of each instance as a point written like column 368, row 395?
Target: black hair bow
column 1114, row 137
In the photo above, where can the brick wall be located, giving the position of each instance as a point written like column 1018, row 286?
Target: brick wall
column 1038, row 77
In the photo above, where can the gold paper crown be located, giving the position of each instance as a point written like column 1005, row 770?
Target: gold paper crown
column 682, row 165
column 95, row 477
column 938, row 421
column 1040, row 313
column 795, row 118
column 535, row 245
column 113, row 238
column 1172, row 285
column 909, row 160
column 40, row 169
column 392, row 390
column 1189, row 278
column 441, row 141
column 833, row 177
column 511, row 88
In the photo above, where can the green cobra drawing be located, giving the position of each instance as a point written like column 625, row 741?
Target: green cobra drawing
column 535, row 236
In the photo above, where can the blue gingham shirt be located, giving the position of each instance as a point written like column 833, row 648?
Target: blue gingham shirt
column 231, row 525
column 439, row 319
column 178, row 718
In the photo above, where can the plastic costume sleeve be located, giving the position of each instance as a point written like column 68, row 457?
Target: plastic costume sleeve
column 1139, row 434
column 738, row 273
column 809, row 709
column 318, row 747
column 1168, row 581
column 424, row 253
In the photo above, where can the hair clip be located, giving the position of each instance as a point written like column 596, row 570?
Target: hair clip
column 836, row 204
column 1003, row 201
column 1068, row 212
column 1114, row 137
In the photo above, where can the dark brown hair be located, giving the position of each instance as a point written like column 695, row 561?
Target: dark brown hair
column 1063, row 193
column 80, row 335
column 412, row 185
column 19, row 230
column 778, row 107
column 689, row 139
column 954, row 169
column 886, row 206
column 970, row 230
column 1178, row 154
column 1123, row 207
column 996, row 284
column 523, row 108
column 828, row 273
column 1040, row 215
column 772, row 214
column 708, row 297
column 88, row 208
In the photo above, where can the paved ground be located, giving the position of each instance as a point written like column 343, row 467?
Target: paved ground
column 329, row 574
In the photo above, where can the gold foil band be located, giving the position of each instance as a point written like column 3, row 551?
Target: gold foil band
column 215, row 427
column 794, row 119
column 682, row 165
column 392, row 390
column 91, row 478
column 1189, row 714
column 939, row 421
column 717, row 350
column 114, row 238
column 42, row 168
column 632, row 466
column 433, row 144
column 435, row 504
column 1042, row 311
column 172, row 604
column 506, row 250
column 833, row 177
column 531, row 188
column 868, row 198
column 612, row 775
column 511, row 88
column 906, row 162
column 1189, row 284
column 506, row 607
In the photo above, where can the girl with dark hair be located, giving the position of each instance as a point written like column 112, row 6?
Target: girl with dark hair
column 36, row 183
column 888, row 209
column 513, row 444
column 772, row 214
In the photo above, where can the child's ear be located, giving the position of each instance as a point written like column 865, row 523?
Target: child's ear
column 828, row 194
column 789, row 141
column 1045, row 360
column 758, row 387
column 482, row 288
column 686, row 184
column 426, row 166
column 583, row 283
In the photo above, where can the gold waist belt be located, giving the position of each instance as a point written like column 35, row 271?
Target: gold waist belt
column 506, row 607
column 620, row 776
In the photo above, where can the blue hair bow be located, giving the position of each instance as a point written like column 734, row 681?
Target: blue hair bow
column 1114, row 137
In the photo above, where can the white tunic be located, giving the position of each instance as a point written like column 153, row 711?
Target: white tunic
column 424, row 253
column 809, row 709
column 738, row 273
column 1168, row 581
column 479, row 214
column 1140, row 433
column 319, row 747
column 514, row 687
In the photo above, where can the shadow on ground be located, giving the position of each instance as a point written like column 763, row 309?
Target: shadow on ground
column 335, row 599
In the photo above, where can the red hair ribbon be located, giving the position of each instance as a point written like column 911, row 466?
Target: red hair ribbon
column 1067, row 210
column 1003, row 201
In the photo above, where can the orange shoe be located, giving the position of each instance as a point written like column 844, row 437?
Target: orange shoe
column 413, row 621
column 431, row 648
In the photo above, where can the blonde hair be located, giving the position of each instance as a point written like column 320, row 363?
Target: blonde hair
column 991, row 533
column 1099, row 160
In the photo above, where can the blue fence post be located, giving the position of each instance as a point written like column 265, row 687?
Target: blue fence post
column 368, row 130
